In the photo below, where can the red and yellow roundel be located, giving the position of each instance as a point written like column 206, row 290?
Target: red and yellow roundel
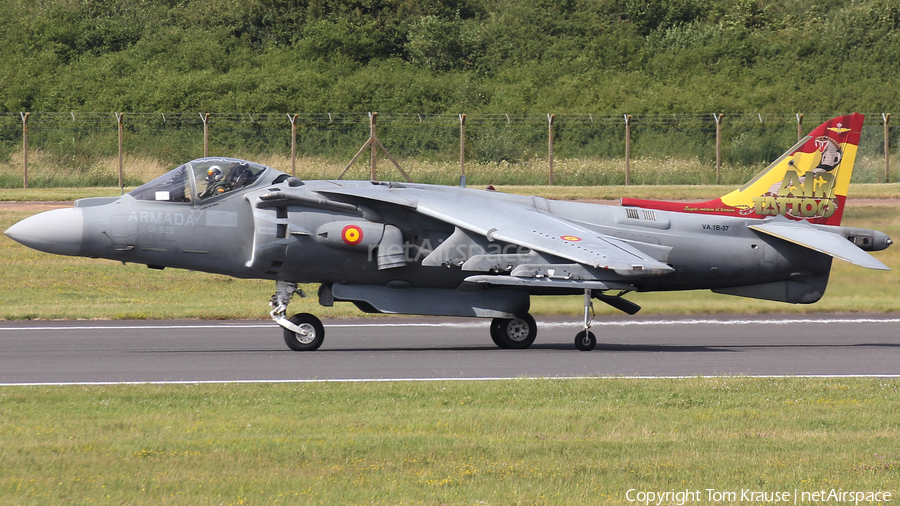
column 352, row 235
column 570, row 238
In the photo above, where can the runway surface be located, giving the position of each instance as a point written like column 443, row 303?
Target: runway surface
column 41, row 352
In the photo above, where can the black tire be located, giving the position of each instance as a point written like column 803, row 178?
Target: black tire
column 496, row 323
column 309, row 342
column 585, row 340
column 516, row 333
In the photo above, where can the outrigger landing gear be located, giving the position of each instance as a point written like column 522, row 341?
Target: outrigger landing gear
column 303, row 331
column 585, row 340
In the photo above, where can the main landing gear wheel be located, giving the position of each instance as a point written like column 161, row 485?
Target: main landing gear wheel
column 514, row 333
column 315, row 333
column 585, row 340
column 495, row 331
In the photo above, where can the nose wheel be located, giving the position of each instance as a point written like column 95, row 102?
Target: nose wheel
column 311, row 334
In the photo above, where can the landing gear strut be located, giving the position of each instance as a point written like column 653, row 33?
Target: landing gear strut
column 585, row 340
column 514, row 333
column 303, row 331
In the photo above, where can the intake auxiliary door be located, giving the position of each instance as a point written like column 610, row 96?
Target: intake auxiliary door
column 270, row 240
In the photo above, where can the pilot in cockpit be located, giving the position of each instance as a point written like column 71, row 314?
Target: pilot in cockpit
column 216, row 182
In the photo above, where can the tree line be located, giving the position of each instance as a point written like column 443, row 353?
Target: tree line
column 476, row 56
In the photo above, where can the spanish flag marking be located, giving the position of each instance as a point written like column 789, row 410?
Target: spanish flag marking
column 352, row 235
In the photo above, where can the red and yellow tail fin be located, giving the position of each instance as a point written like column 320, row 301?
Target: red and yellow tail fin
column 809, row 182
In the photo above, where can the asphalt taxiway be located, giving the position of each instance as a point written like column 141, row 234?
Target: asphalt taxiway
column 53, row 352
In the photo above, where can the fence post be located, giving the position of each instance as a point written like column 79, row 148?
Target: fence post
column 887, row 147
column 462, row 150
column 373, row 173
column 372, row 141
column 293, row 120
column 205, row 119
column 627, row 149
column 25, row 116
column 718, row 118
column 799, row 127
column 550, row 118
column 120, row 117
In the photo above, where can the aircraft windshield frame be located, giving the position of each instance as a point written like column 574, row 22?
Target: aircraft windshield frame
column 214, row 177
column 200, row 181
column 173, row 186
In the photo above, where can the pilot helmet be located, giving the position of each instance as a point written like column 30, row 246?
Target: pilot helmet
column 214, row 174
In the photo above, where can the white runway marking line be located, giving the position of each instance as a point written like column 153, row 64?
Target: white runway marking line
column 471, row 324
column 422, row 380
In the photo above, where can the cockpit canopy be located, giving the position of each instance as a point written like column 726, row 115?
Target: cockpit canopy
column 200, row 180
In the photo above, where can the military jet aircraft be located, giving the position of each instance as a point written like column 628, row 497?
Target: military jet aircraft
column 434, row 250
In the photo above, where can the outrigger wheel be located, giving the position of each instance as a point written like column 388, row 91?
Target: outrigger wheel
column 585, row 340
column 514, row 333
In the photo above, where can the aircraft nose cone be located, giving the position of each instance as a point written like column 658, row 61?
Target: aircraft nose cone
column 58, row 231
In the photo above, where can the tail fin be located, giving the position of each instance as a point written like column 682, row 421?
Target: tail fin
column 809, row 182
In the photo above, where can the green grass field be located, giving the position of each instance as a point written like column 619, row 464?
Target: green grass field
column 514, row 442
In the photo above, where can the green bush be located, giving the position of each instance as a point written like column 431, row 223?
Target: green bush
column 609, row 56
column 606, row 58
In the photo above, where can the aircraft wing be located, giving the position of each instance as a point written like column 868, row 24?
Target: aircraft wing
column 819, row 240
column 501, row 219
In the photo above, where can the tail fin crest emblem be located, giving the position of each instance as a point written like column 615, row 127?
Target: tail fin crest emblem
column 808, row 182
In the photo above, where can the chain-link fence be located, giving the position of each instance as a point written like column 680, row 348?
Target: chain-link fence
column 83, row 149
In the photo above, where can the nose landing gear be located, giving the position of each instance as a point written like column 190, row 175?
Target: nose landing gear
column 303, row 331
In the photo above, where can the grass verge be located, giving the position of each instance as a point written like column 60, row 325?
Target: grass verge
column 612, row 192
column 585, row 441
column 48, row 169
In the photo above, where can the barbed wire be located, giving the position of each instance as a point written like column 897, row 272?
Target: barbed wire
column 344, row 119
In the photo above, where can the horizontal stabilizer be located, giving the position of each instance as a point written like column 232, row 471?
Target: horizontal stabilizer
column 819, row 240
